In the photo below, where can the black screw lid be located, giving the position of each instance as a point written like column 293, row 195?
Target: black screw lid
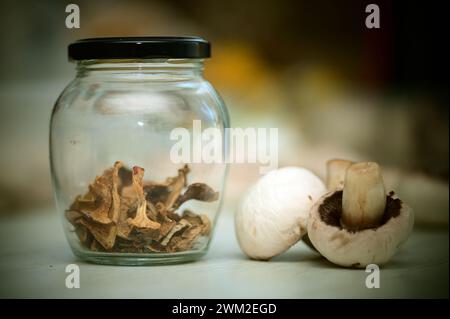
column 140, row 48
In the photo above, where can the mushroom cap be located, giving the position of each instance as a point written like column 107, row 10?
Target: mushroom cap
column 359, row 248
column 273, row 215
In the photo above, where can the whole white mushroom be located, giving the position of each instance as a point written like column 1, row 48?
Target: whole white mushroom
column 274, row 214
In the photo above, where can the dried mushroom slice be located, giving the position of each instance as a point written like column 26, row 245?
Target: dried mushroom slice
column 96, row 203
column 114, row 211
column 152, row 210
column 156, row 247
column 101, row 232
column 97, row 209
column 182, row 224
column 101, row 220
column 198, row 191
column 84, row 235
column 73, row 216
column 185, row 240
column 142, row 236
column 176, row 185
column 123, row 227
column 138, row 175
column 192, row 233
column 206, row 225
column 156, row 193
column 167, row 193
column 173, row 215
column 128, row 206
column 167, row 225
column 141, row 220
column 87, row 202
column 198, row 220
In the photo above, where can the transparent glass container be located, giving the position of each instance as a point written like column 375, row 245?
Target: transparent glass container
column 128, row 110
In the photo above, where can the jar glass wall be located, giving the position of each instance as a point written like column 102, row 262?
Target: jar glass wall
column 124, row 193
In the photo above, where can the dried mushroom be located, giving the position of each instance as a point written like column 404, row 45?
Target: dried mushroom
column 123, row 213
column 141, row 220
column 201, row 221
column 197, row 191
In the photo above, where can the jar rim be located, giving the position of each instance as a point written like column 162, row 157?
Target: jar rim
column 153, row 47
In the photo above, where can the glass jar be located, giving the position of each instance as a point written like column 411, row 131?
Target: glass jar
column 128, row 193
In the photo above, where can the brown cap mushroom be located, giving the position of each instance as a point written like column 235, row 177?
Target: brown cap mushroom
column 360, row 224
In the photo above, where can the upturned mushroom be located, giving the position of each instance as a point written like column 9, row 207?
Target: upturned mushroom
column 359, row 224
column 336, row 170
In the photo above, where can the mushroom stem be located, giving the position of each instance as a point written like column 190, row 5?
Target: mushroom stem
column 364, row 196
column 336, row 169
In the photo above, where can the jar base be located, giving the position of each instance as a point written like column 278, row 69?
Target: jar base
column 139, row 259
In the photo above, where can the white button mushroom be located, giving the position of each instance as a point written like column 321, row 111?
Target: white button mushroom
column 360, row 224
column 273, row 215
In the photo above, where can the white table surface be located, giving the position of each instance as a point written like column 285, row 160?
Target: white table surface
column 34, row 254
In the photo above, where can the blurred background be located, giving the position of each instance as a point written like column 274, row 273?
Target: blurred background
column 310, row 68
